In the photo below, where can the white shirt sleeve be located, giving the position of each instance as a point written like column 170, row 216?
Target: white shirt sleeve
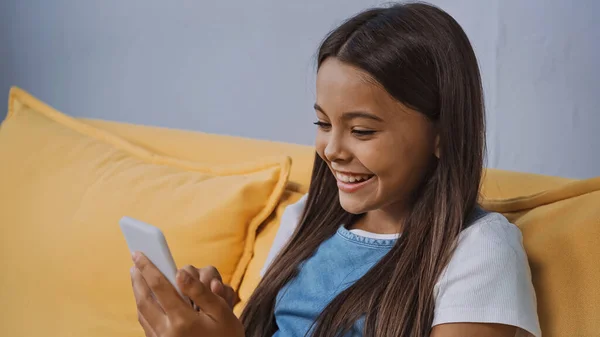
column 289, row 221
column 488, row 279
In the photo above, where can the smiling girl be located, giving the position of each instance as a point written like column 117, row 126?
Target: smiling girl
column 390, row 240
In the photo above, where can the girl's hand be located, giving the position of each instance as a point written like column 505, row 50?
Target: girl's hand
column 211, row 278
column 163, row 313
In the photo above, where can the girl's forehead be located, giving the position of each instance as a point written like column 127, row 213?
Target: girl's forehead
column 342, row 84
column 334, row 74
column 342, row 88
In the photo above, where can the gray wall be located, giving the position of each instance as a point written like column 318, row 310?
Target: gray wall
column 6, row 53
column 246, row 68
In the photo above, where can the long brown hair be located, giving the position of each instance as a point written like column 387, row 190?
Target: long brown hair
column 423, row 58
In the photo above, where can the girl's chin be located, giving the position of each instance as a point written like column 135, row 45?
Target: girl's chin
column 352, row 205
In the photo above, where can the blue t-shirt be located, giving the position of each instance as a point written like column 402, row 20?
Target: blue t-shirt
column 338, row 262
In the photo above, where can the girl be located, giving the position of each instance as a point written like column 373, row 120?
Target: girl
column 390, row 240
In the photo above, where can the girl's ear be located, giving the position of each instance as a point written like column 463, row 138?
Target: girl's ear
column 436, row 149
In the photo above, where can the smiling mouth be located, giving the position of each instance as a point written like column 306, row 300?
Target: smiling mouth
column 352, row 178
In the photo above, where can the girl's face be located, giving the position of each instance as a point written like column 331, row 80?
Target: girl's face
column 377, row 148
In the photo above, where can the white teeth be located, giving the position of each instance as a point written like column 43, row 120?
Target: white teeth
column 350, row 179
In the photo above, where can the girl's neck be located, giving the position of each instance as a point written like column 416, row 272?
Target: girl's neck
column 380, row 222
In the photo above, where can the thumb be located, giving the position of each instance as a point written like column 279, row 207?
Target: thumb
column 210, row 303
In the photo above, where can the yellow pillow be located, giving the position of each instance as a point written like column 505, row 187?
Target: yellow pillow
column 507, row 185
column 63, row 187
column 227, row 149
column 561, row 232
column 262, row 246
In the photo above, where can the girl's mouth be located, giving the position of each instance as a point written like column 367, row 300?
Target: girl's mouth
column 352, row 182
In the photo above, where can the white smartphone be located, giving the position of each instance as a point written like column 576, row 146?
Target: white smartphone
column 150, row 240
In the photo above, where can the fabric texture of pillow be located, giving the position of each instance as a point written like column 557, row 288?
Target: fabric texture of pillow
column 264, row 241
column 561, row 235
column 63, row 187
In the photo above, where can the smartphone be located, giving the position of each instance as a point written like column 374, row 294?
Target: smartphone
column 148, row 239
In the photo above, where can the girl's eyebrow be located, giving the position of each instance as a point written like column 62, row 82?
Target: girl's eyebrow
column 353, row 114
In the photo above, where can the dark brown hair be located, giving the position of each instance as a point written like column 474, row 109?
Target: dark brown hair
column 423, row 58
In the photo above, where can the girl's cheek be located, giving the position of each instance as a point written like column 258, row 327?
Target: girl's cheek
column 373, row 160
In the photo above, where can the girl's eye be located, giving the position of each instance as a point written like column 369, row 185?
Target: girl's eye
column 360, row 132
column 322, row 125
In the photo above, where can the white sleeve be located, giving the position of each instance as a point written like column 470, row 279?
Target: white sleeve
column 488, row 279
column 289, row 221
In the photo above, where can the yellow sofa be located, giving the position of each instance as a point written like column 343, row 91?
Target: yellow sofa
column 52, row 293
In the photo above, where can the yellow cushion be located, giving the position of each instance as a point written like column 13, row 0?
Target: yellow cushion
column 191, row 145
column 561, row 232
column 262, row 246
column 507, row 185
column 63, row 187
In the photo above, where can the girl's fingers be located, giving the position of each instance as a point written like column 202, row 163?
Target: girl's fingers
column 147, row 328
column 192, row 271
column 208, row 274
column 225, row 291
column 147, row 305
column 210, row 303
column 157, row 284
column 217, row 287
